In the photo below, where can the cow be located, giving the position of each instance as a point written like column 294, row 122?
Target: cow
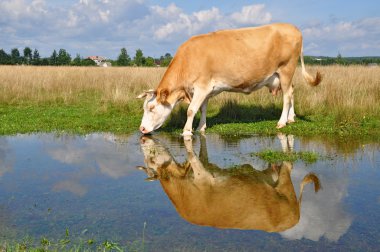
column 239, row 198
column 239, row 60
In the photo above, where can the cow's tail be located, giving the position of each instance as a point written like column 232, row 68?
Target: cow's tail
column 311, row 177
column 313, row 81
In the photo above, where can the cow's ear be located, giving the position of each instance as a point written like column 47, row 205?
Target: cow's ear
column 145, row 93
column 164, row 93
column 142, row 95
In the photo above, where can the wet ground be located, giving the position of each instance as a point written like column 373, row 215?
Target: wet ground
column 161, row 193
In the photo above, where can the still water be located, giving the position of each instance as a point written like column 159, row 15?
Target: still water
column 208, row 194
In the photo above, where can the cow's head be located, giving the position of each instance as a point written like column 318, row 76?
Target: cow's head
column 156, row 109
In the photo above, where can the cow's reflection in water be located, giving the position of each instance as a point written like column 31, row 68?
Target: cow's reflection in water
column 239, row 198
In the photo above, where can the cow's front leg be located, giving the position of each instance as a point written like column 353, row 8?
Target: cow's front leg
column 202, row 122
column 199, row 97
column 201, row 175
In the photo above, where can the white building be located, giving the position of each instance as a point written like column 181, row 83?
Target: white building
column 100, row 61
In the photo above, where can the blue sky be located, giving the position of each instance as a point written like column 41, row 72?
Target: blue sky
column 103, row 27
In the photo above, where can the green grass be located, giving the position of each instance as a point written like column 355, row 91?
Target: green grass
column 272, row 156
column 79, row 119
column 84, row 100
column 237, row 119
column 92, row 115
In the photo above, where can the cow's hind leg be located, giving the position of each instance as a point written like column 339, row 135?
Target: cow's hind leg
column 202, row 122
column 291, row 114
column 287, row 97
column 286, row 73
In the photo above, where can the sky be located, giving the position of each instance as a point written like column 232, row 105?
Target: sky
column 103, row 27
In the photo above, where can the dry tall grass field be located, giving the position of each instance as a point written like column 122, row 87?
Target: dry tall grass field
column 344, row 89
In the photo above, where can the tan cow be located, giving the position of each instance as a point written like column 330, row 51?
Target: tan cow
column 239, row 198
column 241, row 60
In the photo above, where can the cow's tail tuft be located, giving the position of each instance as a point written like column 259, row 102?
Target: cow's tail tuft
column 311, row 177
column 310, row 79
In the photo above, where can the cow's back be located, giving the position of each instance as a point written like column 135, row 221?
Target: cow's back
column 237, row 56
column 232, row 202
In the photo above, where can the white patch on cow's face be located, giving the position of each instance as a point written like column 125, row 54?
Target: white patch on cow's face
column 155, row 154
column 155, row 114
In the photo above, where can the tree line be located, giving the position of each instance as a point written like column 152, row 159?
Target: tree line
column 140, row 60
column 339, row 60
column 63, row 58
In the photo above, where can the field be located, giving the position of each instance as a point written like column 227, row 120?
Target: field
column 343, row 112
column 87, row 99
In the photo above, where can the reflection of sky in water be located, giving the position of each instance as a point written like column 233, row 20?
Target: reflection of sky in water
column 322, row 214
column 5, row 157
column 49, row 183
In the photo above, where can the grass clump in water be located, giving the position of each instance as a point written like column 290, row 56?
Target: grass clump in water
column 71, row 243
column 272, row 156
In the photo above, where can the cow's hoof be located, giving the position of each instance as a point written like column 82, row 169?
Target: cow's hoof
column 287, row 165
column 291, row 121
column 202, row 130
column 150, row 179
column 188, row 138
column 187, row 133
column 280, row 125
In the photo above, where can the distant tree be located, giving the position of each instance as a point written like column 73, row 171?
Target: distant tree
column 45, row 62
column 36, row 60
column 27, row 56
column 88, row 62
column 5, row 58
column 123, row 59
column 139, row 59
column 77, row 61
column 309, row 60
column 165, row 60
column 15, row 56
column 149, row 62
column 53, row 58
column 63, row 57
column 340, row 60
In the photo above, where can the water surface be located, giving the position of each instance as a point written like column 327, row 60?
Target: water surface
column 91, row 186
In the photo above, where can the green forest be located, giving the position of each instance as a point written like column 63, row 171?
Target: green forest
column 63, row 58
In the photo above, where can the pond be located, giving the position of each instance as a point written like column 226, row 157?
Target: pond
column 161, row 193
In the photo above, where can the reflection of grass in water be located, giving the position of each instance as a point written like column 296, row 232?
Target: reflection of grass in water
column 278, row 156
column 69, row 243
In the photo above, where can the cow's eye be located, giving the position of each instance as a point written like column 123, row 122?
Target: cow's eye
column 151, row 108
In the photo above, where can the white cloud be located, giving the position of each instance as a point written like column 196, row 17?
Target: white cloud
column 72, row 19
column 70, row 186
column 103, row 27
column 101, row 150
column 322, row 214
column 85, row 2
column 23, row 9
column 170, row 12
column 178, row 23
column 252, row 15
column 357, row 37
column 104, row 15
column 95, row 154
